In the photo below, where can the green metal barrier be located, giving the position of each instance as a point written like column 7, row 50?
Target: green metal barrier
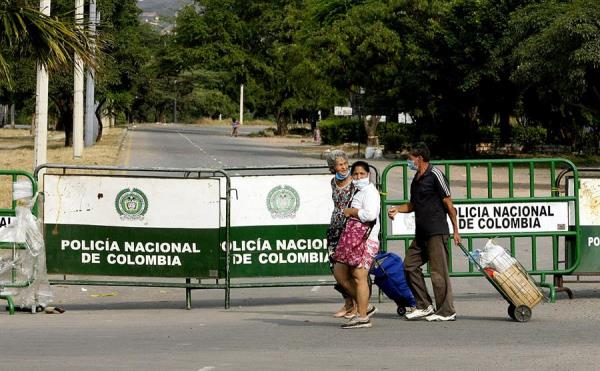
column 6, row 214
column 276, row 263
column 258, row 244
column 589, row 255
column 501, row 187
column 131, row 225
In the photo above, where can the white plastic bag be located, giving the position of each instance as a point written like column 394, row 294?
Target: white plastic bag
column 30, row 264
column 495, row 257
column 22, row 189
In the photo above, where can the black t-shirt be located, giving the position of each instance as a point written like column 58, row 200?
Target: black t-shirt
column 426, row 195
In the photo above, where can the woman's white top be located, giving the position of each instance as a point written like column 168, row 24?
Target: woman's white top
column 368, row 203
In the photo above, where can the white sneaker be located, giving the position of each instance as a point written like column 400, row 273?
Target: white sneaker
column 419, row 313
column 438, row 318
column 371, row 310
column 357, row 322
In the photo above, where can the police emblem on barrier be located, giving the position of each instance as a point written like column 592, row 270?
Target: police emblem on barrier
column 283, row 202
column 131, row 204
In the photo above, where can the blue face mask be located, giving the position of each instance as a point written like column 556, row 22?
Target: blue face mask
column 340, row 176
column 411, row 165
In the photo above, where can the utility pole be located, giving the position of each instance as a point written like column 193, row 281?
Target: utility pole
column 90, row 107
column 241, row 104
column 175, row 101
column 78, row 91
column 40, row 145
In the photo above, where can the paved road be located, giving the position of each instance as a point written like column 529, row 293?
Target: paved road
column 208, row 147
column 284, row 328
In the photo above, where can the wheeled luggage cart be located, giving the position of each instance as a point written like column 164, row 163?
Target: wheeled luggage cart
column 514, row 284
column 388, row 270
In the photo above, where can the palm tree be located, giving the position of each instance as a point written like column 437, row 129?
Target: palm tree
column 26, row 31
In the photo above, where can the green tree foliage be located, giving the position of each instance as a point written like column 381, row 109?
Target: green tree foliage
column 467, row 71
column 556, row 64
column 27, row 32
column 27, row 37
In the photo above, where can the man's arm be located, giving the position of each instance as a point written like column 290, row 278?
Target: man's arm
column 406, row 208
column 452, row 213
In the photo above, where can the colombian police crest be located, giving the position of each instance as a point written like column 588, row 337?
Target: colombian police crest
column 131, row 204
column 283, row 202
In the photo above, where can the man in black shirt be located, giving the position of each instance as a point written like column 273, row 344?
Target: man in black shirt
column 430, row 200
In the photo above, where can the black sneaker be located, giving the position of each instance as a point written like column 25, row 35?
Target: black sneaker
column 357, row 322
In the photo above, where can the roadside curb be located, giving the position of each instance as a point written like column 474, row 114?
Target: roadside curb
column 122, row 143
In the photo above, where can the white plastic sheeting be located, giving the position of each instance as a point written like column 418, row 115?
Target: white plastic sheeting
column 25, row 268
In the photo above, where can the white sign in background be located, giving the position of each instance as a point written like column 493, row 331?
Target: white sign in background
column 499, row 218
column 342, row 111
column 250, row 206
column 589, row 201
column 90, row 200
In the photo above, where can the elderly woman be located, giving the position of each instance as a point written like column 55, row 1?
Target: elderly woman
column 358, row 244
column 341, row 193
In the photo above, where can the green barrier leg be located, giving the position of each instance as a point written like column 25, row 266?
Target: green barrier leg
column 188, row 295
column 552, row 291
column 550, row 286
column 11, row 305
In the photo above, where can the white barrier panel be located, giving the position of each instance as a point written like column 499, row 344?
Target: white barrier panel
column 131, row 202
column 499, row 218
column 272, row 200
column 132, row 226
column 279, row 224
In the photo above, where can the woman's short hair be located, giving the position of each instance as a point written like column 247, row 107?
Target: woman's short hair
column 334, row 155
column 420, row 149
column 360, row 163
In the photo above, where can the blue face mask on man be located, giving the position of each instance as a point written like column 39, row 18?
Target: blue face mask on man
column 412, row 165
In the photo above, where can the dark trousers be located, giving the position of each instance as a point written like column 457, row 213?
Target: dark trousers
column 432, row 250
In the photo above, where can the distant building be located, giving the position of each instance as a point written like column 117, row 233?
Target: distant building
column 150, row 17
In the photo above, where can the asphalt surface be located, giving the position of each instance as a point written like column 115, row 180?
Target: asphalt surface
column 283, row 328
column 207, row 147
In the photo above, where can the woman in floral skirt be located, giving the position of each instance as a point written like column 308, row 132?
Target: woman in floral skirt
column 358, row 244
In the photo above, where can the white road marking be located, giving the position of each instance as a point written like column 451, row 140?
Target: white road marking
column 199, row 148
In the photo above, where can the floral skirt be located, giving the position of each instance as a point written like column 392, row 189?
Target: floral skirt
column 358, row 257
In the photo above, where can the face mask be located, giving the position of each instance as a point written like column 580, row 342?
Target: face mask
column 340, row 176
column 411, row 165
column 361, row 183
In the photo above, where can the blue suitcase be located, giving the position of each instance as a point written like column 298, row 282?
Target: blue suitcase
column 388, row 270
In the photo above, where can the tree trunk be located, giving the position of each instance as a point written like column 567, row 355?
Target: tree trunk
column 282, row 124
column 65, row 123
column 472, row 124
column 32, row 129
column 98, row 114
column 12, row 116
column 100, row 126
column 371, row 129
column 2, row 114
column 504, row 127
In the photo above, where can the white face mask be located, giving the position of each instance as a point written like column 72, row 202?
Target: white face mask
column 361, row 183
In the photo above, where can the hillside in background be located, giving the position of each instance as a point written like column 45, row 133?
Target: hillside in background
column 163, row 7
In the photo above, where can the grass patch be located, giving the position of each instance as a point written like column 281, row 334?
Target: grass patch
column 16, row 152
